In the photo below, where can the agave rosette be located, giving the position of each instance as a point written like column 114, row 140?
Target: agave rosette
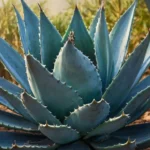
column 76, row 92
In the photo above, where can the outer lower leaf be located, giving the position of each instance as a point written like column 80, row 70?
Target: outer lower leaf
column 148, row 4
column 109, row 126
column 14, row 63
column 79, row 145
column 140, row 111
column 22, row 32
column 139, row 87
column 10, row 87
column 144, row 67
column 12, row 121
column 120, row 36
column 129, row 145
column 32, row 30
column 50, row 91
column 50, row 42
column 5, row 103
column 30, row 147
column 78, row 71
column 16, row 103
column 137, row 101
column 139, row 132
column 38, row 111
column 89, row 116
column 103, row 51
column 59, row 134
column 115, row 95
column 83, row 40
column 94, row 24
column 8, row 138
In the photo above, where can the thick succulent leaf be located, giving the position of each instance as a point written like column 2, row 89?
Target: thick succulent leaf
column 32, row 30
column 8, row 138
column 16, row 103
column 147, row 55
column 129, row 145
column 136, row 102
column 59, row 134
column 83, row 40
column 94, row 24
column 79, row 145
column 103, row 51
column 74, row 68
column 139, row 87
column 139, row 132
column 22, row 31
column 14, row 63
column 50, row 91
column 30, row 147
column 50, row 42
column 89, row 116
column 13, row 121
column 120, row 36
column 148, row 4
column 5, row 103
column 10, row 87
column 140, row 111
column 126, row 77
column 109, row 126
column 144, row 67
column 38, row 111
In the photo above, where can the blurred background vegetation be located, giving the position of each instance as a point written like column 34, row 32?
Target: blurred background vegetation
column 88, row 8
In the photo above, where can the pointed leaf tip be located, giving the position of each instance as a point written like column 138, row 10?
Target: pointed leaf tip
column 50, row 41
column 32, row 30
column 83, row 40
column 88, row 81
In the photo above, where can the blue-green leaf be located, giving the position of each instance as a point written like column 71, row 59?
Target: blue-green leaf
column 50, row 91
column 89, row 116
column 94, row 24
column 50, row 42
column 129, row 145
column 120, row 36
column 137, row 101
column 38, row 111
column 13, row 121
column 20, row 138
column 109, row 126
column 32, row 30
column 139, row 87
column 103, row 51
column 30, row 147
column 140, row 111
column 74, row 68
column 148, row 4
column 59, row 134
column 10, row 87
column 79, row 145
column 21, row 26
column 14, row 63
column 115, row 95
column 83, row 40
column 139, row 132
column 16, row 103
column 5, row 103
column 144, row 67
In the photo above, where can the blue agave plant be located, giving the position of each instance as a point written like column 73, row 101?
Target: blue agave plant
column 72, row 99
